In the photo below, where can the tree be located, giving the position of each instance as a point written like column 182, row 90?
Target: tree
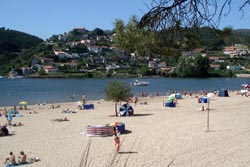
column 201, row 65
column 133, row 39
column 185, row 67
column 98, row 31
column 174, row 15
column 117, row 91
column 187, row 13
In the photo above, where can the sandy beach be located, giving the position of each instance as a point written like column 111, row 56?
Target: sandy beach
column 156, row 135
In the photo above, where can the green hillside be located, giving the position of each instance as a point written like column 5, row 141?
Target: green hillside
column 12, row 43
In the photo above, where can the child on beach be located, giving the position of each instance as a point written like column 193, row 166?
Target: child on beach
column 116, row 137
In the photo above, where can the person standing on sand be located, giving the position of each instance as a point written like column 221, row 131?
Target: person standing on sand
column 116, row 138
column 11, row 160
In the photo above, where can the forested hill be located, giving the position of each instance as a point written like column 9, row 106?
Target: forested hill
column 245, row 32
column 15, row 41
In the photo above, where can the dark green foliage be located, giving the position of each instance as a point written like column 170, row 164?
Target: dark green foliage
column 189, row 67
column 98, row 31
column 201, row 65
column 15, row 41
column 79, row 49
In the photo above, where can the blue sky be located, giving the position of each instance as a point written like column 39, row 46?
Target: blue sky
column 44, row 18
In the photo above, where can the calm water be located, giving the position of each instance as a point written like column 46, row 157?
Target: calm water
column 61, row 90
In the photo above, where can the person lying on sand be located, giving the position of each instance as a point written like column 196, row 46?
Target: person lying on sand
column 60, row 119
column 68, row 111
column 13, row 124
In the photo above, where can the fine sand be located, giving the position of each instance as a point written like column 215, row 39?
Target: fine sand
column 156, row 136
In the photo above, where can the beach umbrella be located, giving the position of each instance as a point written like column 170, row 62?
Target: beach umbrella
column 178, row 96
column 210, row 95
column 120, row 126
column 78, row 103
column 126, row 110
column 116, row 124
column 23, row 102
column 171, row 97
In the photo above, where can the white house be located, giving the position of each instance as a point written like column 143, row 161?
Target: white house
column 95, row 48
column 50, row 70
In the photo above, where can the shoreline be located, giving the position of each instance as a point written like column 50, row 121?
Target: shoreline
column 194, row 94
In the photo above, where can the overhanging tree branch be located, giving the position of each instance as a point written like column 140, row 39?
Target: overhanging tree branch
column 188, row 13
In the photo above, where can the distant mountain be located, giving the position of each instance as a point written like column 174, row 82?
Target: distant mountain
column 245, row 32
column 15, row 41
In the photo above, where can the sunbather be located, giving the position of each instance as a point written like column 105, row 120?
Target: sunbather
column 11, row 160
column 22, row 159
column 60, row 119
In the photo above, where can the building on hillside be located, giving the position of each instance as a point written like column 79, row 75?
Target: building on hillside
column 87, row 42
column 35, row 61
column 215, row 59
column 214, row 66
column 71, row 64
column 46, row 61
column 50, row 70
column 37, row 67
column 152, row 64
column 236, row 67
column 156, row 64
column 195, row 52
column 236, row 50
column 62, row 54
column 95, row 49
column 26, row 70
column 80, row 30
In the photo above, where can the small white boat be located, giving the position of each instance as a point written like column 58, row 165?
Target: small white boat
column 140, row 83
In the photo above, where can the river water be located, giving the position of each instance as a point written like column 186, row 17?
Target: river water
column 36, row 91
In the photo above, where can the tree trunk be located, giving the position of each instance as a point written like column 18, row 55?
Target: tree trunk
column 116, row 114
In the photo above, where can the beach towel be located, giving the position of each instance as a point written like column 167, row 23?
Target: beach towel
column 17, row 164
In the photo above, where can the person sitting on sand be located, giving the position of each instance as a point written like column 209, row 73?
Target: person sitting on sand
column 5, row 112
column 22, row 159
column 34, row 112
column 20, row 107
column 11, row 160
column 202, row 108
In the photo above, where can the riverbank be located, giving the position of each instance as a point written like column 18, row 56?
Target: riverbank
column 243, row 75
column 155, row 136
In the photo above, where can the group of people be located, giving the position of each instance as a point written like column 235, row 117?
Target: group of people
column 11, row 160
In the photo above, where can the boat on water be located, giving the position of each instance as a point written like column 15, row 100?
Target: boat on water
column 140, row 83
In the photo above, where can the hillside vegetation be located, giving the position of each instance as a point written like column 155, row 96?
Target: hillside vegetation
column 12, row 43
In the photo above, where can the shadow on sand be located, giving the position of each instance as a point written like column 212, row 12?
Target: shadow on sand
column 139, row 115
column 127, row 152
column 9, row 135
